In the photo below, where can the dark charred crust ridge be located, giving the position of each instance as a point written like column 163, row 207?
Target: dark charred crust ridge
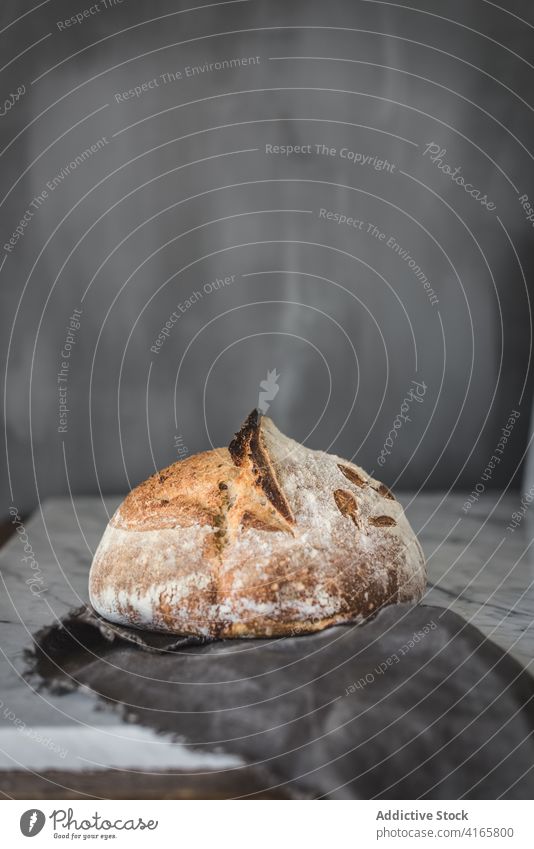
column 239, row 446
column 248, row 445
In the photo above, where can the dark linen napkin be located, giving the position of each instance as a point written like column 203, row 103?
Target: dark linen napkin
column 415, row 703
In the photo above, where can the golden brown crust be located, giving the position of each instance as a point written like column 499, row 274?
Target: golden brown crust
column 264, row 538
column 180, row 495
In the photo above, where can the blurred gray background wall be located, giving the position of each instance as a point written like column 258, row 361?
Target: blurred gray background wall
column 148, row 151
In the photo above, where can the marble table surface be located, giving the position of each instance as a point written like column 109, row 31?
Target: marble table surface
column 476, row 567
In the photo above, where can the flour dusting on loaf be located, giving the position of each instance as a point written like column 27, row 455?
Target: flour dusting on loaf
column 264, row 538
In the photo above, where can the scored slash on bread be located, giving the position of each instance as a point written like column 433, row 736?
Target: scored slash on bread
column 248, row 448
column 264, row 538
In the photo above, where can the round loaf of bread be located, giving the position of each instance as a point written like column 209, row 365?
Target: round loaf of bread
column 265, row 537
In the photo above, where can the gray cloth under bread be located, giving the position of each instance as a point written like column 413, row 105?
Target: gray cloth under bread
column 415, row 703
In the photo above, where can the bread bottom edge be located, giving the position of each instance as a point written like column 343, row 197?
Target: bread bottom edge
column 256, row 629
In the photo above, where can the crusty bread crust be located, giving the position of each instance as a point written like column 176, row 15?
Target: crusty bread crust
column 264, row 538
